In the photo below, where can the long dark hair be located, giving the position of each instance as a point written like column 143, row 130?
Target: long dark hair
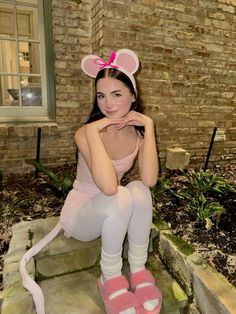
column 96, row 113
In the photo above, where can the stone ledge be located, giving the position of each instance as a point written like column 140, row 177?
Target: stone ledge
column 61, row 260
column 211, row 292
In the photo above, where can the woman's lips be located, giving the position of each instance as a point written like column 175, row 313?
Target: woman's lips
column 110, row 112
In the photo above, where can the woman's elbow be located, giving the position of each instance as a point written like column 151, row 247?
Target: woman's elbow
column 110, row 190
column 149, row 182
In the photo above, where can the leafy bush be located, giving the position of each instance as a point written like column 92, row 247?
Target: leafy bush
column 207, row 183
column 162, row 188
column 201, row 188
column 60, row 186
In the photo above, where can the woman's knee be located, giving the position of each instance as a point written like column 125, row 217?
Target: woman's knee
column 141, row 196
column 138, row 189
column 124, row 202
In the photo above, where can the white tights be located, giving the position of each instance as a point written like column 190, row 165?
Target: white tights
column 111, row 217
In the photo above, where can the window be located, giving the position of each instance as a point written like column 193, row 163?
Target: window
column 26, row 73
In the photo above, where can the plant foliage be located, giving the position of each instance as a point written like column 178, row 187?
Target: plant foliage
column 201, row 188
column 61, row 186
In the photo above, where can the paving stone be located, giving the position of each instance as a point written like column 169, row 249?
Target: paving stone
column 174, row 298
column 65, row 255
column 174, row 252
column 66, row 263
column 74, row 293
column 213, row 293
column 11, row 273
column 78, row 293
column 16, row 300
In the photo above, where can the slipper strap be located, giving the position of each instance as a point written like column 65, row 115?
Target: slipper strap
column 148, row 293
column 113, row 285
column 121, row 303
column 139, row 277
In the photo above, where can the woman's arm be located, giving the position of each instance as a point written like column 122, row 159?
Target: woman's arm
column 148, row 161
column 89, row 143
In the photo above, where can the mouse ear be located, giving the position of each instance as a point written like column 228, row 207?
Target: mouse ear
column 89, row 66
column 127, row 59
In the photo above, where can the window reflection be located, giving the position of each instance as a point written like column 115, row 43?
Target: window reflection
column 31, row 92
column 20, row 75
column 29, row 57
column 9, row 90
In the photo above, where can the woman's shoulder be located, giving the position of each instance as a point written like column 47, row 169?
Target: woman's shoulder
column 79, row 136
column 80, row 131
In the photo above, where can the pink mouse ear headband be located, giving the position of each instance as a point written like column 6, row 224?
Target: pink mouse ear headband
column 124, row 60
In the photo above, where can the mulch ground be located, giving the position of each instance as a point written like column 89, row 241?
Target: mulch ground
column 26, row 197
column 217, row 245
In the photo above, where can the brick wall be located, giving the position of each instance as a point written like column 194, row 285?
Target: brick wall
column 187, row 80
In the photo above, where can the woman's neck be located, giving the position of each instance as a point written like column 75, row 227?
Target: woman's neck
column 112, row 130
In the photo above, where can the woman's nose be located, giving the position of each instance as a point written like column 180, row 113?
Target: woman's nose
column 109, row 102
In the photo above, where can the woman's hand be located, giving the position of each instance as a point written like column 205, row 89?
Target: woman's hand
column 134, row 118
column 101, row 124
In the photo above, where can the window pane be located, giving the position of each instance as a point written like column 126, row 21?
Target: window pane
column 8, row 61
column 7, row 20
column 9, row 90
column 34, row 58
column 31, row 91
column 23, row 56
column 29, row 59
column 27, row 22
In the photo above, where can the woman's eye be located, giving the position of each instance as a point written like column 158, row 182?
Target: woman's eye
column 100, row 96
column 117, row 95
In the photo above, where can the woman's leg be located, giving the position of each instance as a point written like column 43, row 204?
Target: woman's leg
column 138, row 236
column 108, row 217
column 105, row 216
column 141, row 220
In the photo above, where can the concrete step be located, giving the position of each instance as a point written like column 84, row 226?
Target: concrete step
column 67, row 270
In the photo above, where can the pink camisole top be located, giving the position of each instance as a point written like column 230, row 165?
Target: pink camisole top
column 84, row 181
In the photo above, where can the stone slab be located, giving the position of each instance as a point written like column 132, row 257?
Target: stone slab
column 74, row 293
column 174, row 252
column 213, row 293
column 174, row 298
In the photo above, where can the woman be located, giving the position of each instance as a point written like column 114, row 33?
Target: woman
column 116, row 132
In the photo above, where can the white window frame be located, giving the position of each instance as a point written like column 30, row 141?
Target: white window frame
column 46, row 112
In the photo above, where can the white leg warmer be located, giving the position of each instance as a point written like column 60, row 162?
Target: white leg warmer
column 111, row 264
column 137, row 256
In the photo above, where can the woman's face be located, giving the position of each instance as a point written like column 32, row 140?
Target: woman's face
column 113, row 97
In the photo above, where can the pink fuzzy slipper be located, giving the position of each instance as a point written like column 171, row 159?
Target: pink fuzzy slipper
column 144, row 294
column 120, row 303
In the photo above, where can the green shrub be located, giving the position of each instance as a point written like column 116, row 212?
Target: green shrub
column 200, row 188
column 162, row 188
column 61, row 186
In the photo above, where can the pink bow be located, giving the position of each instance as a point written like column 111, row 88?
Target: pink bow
column 103, row 63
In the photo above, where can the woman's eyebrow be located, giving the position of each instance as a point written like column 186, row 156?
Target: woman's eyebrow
column 116, row 91
column 113, row 92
